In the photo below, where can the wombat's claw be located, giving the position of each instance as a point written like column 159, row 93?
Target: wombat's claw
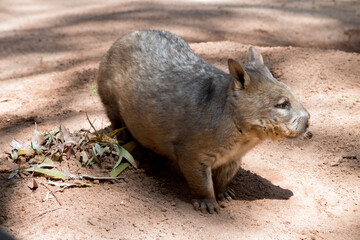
column 206, row 205
column 228, row 195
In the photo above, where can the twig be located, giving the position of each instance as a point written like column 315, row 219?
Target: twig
column 100, row 178
column 97, row 134
column 52, row 193
column 52, row 210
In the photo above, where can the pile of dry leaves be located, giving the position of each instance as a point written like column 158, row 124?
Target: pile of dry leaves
column 41, row 155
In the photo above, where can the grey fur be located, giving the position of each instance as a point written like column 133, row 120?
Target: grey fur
column 198, row 116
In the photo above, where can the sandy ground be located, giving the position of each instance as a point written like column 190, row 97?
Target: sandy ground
column 290, row 189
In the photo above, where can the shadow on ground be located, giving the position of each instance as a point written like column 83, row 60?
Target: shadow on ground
column 196, row 23
column 250, row 186
column 246, row 185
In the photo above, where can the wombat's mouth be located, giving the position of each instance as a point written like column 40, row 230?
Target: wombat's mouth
column 307, row 135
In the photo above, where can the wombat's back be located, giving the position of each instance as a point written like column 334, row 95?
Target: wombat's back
column 154, row 83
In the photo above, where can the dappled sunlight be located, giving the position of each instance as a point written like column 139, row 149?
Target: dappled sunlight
column 288, row 189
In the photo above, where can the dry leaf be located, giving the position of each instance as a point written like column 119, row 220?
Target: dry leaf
column 38, row 137
column 33, row 184
column 26, row 151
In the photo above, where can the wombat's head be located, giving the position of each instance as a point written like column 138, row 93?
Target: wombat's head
column 261, row 105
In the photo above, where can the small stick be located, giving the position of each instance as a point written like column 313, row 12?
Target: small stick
column 52, row 210
column 52, row 193
column 97, row 134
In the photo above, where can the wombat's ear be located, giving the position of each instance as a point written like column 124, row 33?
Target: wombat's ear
column 255, row 57
column 239, row 76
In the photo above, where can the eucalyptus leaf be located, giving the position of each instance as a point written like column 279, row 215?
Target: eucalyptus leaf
column 78, row 163
column 26, row 151
column 15, row 144
column 113, row 133
column 124, row 153
column 14, row 154
column 12, row 174
column 48, row 161
column 89, row 162
column 115, row 172
column 130, row 146
column 118, row 162
column 53, row 173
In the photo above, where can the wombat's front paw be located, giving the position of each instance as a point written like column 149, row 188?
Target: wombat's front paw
column 204, row 205
column 228, row 195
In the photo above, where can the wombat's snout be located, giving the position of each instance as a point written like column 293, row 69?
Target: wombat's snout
column 307, row 134
column 304, row 121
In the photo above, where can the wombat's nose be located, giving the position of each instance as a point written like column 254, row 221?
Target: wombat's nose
column 307, row 117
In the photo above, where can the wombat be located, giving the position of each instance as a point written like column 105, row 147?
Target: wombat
column 178, row 105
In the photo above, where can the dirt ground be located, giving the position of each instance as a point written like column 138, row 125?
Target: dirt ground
column 289, row 189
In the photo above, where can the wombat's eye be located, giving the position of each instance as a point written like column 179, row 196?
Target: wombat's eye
column 283, row 105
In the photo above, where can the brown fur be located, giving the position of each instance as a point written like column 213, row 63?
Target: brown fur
column 176, row 104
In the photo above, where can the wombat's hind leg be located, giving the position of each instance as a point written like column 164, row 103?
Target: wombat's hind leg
column 115, row 119
column 222, row 176
column 113, row 113
column 228, row 195
column 198, row 177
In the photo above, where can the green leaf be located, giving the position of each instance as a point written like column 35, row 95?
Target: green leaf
column 78, row 163
column 111, row 134
column 56, row 129
column 12, row 174
column 94, row 157
column 51, row 172
column 48, row 135
column 97, row 149
column 48, row 161
column 93, row 88
column 38, row 148
column 118, row 162
column 124, row 153
column 119, row 169
column 49, row 138
column 130, row 146
column 100, row 151
column 48, row 172
column 13, row 182
column 90, row 161
column 14, row 154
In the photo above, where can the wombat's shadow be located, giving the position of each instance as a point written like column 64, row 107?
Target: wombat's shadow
column 246, row 185
column 250, row 186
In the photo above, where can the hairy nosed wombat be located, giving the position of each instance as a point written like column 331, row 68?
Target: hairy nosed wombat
column 178, row 105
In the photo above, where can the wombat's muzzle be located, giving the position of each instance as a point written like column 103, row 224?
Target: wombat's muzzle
column 303, row 124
